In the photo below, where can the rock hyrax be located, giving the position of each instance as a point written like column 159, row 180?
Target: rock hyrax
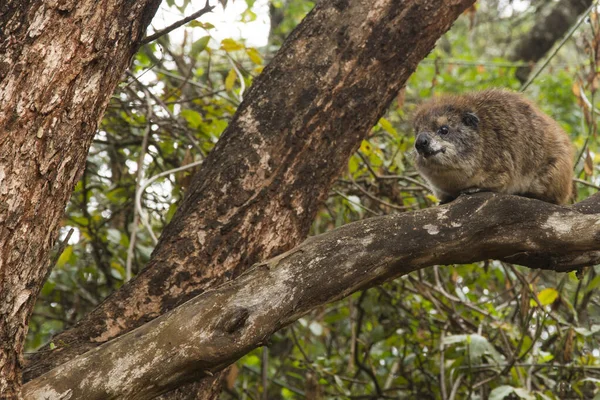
column 494, row 140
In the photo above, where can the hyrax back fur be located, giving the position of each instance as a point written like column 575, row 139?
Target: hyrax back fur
column 494, row 140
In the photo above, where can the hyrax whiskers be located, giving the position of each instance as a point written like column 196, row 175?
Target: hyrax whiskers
column 493, row 140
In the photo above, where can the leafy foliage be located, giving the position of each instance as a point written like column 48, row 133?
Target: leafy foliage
column 490, row 330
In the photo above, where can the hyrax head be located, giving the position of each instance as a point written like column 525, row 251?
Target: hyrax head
column 447, row 136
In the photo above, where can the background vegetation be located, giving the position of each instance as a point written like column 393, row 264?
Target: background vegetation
column 487, row 330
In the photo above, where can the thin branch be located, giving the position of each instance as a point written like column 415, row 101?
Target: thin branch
column 456, row 386
column 138, row 197
column 442, row 362
column 140, row 176
column 355, row 203
column 206, row 9
column 264, row 372
column 586, row 183
column 240, row 77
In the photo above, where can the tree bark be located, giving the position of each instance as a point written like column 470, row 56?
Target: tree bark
column 59, row 63
column 547, row 30
column 260, row 188
column 217, row 327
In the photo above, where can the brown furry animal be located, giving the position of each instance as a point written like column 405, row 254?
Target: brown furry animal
column 494, row 140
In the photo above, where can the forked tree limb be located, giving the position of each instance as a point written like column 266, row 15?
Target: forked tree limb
column 217, row 327
column 260, row 188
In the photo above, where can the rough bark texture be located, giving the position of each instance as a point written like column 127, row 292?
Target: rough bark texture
column 59, row 63
column 219, row 326
column 260, row 187
column 548, row 29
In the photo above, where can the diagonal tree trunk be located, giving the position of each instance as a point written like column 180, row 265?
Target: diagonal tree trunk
column 260, row 188
column 59, row 63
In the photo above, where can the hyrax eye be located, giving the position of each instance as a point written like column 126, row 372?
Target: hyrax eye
column 443, row 130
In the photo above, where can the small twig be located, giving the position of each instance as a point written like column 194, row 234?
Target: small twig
column 198, row 85
column 355, row 203
column 586, row 183
column 206, row 9
column 140, row 176
column 368, row 165
column 297, row 343
column 440, row 289
column 375, row 198
column 442, row 372
column 593, row 110
column 406, row 178
column 59, row 250
column 240, row 77
column 138, row 197
column 587, row 101
column 264, row 371
column 456, row 386
column 465, row 63
column 277, row 382
column 532, row 293
column 390, row 379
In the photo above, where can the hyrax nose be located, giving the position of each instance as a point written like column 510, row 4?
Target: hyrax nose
column 422, row 142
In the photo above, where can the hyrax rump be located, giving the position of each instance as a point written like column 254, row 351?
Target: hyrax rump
column 494, row 140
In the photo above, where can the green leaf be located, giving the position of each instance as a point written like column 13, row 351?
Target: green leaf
column 251, row 360
column 524, row 394
column 145, row 251
column 117, row 270
column 230, row 45
column 193, row 118
column 366, row 148
column 248, row 16
column 203, row 25
column 546, row 297
column 230, row 80
column 593, row 284
column 478, row 347
column 545, row 356
column 114, row 235
column 385, row 124
column 48, row 287
column 353, row 165
column 199, row 45
column 65, row 256
column 588, row 332
column 527, row 342
column 590, row 379
column 254, row 56
column 502, row 392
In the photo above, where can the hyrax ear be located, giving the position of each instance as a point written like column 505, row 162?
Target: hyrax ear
column 470, row 119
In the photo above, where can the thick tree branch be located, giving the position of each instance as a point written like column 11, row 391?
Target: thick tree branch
column 59, row 63
column 217, row 327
